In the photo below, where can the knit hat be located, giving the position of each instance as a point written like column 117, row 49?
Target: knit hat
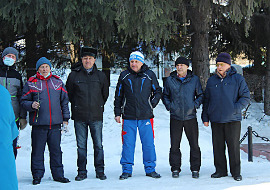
column 43, row 60
column 224, row 57
column 10, row 50
column 88, row 51
column 182, row 60
column 137, row 56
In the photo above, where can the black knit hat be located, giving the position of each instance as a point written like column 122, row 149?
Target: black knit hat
column 182, row 60
column 224, row 57
column 88, row 51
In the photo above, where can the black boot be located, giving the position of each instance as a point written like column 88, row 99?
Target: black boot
column 62, row 180
column 218, row 175
column 80, row 176
column 175, row 173
column 36, row 180
column 125, row 176
column 153, row 175
column 101, row 175
column 195, row 174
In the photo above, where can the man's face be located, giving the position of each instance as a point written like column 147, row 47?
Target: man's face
column 10, row 55
column 88, row 61
column 222, row 67
column 135, row 65
column 181, row 69
column 44, row 69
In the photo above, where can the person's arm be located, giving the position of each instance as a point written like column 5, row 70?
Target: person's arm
column 198, row 94
column 157, row 91
column 69, row 86
column 64, row 103
column 27, row 101
column 166, row 98
column 205, row 117
column 105, row 88
column 118, row 98
column 243, row 95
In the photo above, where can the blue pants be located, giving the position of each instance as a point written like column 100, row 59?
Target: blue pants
column 39, row 139
column 129, row 134
column 81, row 131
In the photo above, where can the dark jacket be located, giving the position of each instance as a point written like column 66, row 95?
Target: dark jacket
column 12, row 81
column 137, row 94
column 88, row 93
column 225, row 98
column 182, row 98
column 52, row 96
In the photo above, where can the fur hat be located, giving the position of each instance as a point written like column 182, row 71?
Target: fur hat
column 88, row 51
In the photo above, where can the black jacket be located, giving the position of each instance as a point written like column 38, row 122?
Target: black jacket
column 12, row 81
column 87, row 93
column 182, row 98
column 137, row 94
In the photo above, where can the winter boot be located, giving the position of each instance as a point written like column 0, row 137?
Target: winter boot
column 80, row 176
column 62, row 180
column 195, row 174
column 101, row 175
column 125, row 176
column 153, row 175
column 36, row 180
column 175, row 173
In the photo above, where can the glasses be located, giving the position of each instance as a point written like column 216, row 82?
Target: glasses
column 220, row 64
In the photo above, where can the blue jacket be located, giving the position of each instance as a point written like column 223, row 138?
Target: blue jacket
column 182, row 98
column 53, row 98
column 137, row 94
column 225, row 98
column 8, row 132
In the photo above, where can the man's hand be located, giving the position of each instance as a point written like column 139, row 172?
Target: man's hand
column 22, row 123
column 206, row 124
column 118, row 119
column 35, row 105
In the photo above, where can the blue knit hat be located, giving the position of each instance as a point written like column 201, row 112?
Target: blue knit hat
column 137, row 56
column 43, row 60
column 10, row 50
column 224, row 57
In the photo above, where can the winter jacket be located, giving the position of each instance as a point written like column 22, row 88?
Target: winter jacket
column 225, row 98
column 12, row 81
column 51, row 93
column 136, row 94
column 182, row 98
column 8, row 132
column 88, row 93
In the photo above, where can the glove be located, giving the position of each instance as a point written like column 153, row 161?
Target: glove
column 64, row 128
column 22, row 123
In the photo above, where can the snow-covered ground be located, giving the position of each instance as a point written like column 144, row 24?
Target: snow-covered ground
column 256, row 174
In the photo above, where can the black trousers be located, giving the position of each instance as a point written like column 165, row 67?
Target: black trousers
column 39, row 139
column 228, row 133
column 192, row 133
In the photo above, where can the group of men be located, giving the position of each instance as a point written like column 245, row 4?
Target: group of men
column 137, row 93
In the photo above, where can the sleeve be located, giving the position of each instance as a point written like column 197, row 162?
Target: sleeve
column 23, row 112
column 27, row 99
column 243, row 95
column 205, row 117
column 64, row 103
column 69, row 87
column 118, row 97
column 156, row 91
column 105, row 88
column 166, row 98
column 198, row 94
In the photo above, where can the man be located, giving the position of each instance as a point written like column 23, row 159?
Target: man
column 8, row 132
column 226, row 94
column 46, row 99
column 88, row 90
column 182, row 95
column 137, row 93
column 12, row 81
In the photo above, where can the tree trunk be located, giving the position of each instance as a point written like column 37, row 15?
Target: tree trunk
column 106, row 66
column 258, row 95
column 199, row 43
column 74, row 52
column 267, row 82
column 31, row 52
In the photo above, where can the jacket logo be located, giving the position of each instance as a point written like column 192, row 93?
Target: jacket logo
column 147, row 123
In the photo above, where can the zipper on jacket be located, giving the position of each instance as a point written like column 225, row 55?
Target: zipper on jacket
column 49, row 104
column 6, row 78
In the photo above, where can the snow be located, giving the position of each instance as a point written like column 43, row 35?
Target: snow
column 256, row 174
